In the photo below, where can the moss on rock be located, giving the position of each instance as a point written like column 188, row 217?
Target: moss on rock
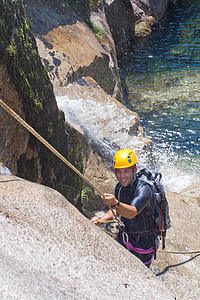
column 18, row 51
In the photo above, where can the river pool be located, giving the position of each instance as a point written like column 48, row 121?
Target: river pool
column 161, row 82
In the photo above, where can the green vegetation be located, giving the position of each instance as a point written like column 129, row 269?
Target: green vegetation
column 84, row 192
column 142, row 29
column 99, row 31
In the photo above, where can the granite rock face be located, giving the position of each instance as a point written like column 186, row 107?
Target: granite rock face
column 51, row 251
column 71, row 50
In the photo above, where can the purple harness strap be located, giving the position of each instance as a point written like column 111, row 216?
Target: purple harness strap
column 130, row 247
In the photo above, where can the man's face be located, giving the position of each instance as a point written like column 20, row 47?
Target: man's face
column 125, row 175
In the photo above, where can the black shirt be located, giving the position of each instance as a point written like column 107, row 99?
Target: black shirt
column 139, row 195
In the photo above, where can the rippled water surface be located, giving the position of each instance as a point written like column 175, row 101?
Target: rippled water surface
column 161, row 80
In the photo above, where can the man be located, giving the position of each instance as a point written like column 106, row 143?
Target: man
column 134, row 201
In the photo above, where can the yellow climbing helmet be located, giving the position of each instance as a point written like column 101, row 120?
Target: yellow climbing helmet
column 124, row 158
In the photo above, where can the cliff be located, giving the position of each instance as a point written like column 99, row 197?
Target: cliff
column 26, row 88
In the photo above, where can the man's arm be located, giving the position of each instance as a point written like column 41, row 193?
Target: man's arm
column 125, row 210
column 142, row 198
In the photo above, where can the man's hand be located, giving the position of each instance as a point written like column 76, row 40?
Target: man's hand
column 98, row 221
column 95, row 220
column 125, row 210
column 109, row 199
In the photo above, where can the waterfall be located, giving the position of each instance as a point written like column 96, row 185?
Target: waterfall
column 102, row 121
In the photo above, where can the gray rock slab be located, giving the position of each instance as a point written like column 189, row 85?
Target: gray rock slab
column 178, row 268
column 50, row 251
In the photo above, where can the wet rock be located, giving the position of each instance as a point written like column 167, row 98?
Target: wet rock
column 121, row 20
column 132, row 19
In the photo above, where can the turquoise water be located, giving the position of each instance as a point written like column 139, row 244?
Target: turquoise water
column 161, row 81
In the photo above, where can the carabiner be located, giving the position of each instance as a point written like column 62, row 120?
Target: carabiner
column 124, row 237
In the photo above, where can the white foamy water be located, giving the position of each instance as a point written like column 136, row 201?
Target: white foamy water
column 176, row 169
column 104, row 122
column 176, row 181
column 98, row 120
column 95, row 117
column 4, row 170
